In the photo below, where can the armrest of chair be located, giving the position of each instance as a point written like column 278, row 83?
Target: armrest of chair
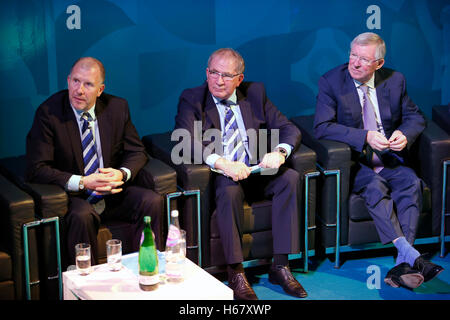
column 50, row 200
column 331, row 155
column 431, row 149
column 303, row 160
column 16, row 209
column 441, row 116
column 157, row 176
column 189, row 176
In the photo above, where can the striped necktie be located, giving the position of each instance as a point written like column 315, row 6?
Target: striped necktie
column 370, row 123
column 233, row 145
column 90, row 158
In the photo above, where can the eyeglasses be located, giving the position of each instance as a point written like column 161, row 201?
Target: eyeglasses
column 364, row 61
column 225, row 76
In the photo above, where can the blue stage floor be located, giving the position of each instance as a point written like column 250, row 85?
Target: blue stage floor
column 358, row 278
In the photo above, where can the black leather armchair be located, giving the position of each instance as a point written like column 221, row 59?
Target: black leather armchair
column 16, row 209
column 441, row 116
column 257, row 237
column 52, row 201
column 345, row 224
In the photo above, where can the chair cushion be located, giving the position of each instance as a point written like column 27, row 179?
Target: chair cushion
column 257, row 217
column 7, row 290
column 5, row 266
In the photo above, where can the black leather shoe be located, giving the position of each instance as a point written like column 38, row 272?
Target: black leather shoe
column 403, row 275
column 282, row 275
column 242, row 289
column 427, row 268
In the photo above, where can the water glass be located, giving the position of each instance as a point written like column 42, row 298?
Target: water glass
column 83, row 258
column 114, row 254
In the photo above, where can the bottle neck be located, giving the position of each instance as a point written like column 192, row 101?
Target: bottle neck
column 175, row 222
column 148, row 236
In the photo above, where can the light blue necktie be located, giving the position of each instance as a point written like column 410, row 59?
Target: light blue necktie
column 90, row 158
column 370, row 123
column 234, row 148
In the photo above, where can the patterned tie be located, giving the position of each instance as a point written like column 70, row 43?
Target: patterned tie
column 370, row 123
column 90, row 158
column 234, row 148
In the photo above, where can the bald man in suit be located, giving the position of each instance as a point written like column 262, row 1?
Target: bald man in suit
column 83, row 140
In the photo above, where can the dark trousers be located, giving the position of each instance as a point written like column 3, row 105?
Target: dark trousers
column 132, row 204
column 282, row 188
column 393, row 198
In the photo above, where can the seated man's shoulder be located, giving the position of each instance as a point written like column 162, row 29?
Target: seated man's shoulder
column 390, row 74
column 337, row 72
column 57, row 98
column 52, row 104
column 110, row 100
column 251, row 87
column 195, row 91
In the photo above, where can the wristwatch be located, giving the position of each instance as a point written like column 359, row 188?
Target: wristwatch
column 124, row 175
column 282, row 151
column 81, row 184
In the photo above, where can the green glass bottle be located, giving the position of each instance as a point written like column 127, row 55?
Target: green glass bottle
column 148, row 260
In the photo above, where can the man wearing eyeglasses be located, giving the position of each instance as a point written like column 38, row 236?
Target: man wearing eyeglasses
column 234, row 108
column 366, row 106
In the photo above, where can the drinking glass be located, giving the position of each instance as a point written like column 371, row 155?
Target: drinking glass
column 83, row 258
column 114, row 254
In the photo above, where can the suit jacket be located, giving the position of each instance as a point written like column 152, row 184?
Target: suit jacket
column 258, row 112
column 54, row 151
column 339, row 114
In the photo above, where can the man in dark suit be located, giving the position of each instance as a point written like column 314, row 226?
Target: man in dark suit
column 367, row 107
column 233, row 109
column 83, row 140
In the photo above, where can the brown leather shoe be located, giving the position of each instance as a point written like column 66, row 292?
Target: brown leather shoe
column 242, row 289
column 282, row 275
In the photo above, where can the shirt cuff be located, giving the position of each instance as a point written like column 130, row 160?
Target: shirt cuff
column 211, row 159
column 286, row 147
column 74, row 183
column 128, row 171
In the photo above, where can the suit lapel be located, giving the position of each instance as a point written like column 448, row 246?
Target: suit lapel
column 211, row 118
column 73, row 132
column 104, row 128
column 383, row 102
column 246, row 110
column 350, row 98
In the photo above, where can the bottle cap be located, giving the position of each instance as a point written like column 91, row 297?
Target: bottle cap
column 147, row 219
column 174, row 213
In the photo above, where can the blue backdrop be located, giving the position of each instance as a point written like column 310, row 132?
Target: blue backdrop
column 152, row 50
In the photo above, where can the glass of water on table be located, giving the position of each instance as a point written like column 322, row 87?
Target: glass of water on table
column 114, row 254
column 83, row 258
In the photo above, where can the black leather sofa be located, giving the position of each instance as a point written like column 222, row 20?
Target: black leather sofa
column 16, row 209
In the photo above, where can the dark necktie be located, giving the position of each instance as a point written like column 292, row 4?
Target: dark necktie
column 370, row 123
column 90, row 158
column 234, row 148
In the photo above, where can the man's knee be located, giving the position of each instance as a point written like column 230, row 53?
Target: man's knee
column 376, row 190
column 291, row 177
column 229, row 193
column 151, row 202
column 80, row 212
